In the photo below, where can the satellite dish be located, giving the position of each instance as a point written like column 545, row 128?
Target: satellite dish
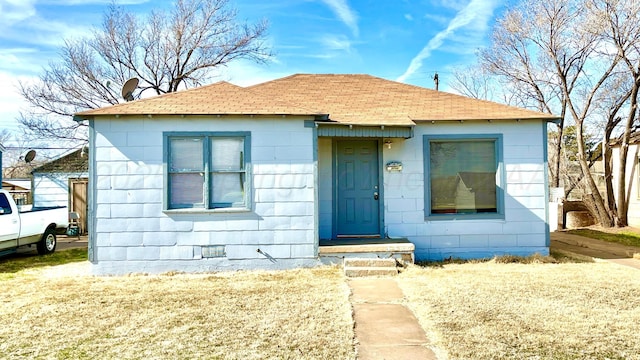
column 128, row 88
column 29, row 156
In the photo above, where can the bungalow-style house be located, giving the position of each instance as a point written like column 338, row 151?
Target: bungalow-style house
column 63, row 182
column 267, row 176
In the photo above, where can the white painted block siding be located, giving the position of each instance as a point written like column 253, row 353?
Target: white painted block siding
column 133, row 234
column 632, row 173
column 52, row 189
column 523, row 231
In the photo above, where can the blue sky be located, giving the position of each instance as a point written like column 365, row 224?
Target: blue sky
column 401, row 40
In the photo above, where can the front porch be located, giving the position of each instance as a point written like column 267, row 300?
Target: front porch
column 335, row 251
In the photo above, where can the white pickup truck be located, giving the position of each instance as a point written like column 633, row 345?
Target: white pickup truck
column 36, row 226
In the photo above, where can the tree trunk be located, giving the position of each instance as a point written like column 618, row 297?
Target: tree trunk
column 601, row 213
column 555, row 178
column 623, row 203
column 608, row 171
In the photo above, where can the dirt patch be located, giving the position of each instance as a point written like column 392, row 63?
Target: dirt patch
column 564, row 241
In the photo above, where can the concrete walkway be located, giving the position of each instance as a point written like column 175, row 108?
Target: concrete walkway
column 385, row 328
column 613, row 252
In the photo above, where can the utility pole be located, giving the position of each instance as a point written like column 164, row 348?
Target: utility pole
column 436, row 80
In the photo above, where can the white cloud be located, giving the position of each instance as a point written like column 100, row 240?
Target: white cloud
column 475, row 16
column 439, row 19
column 89, row 2
column 14, row 11
column 53, row 33
column 13, row 60
column 456, row 5
column 408, row 17
column 336, row 42
column 247, row 73
column 342, row 10
column 11, row 102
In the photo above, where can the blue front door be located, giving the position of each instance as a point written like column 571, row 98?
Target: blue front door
column 357, row 190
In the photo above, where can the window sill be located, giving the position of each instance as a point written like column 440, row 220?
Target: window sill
column 207, row 211
column 465, row 217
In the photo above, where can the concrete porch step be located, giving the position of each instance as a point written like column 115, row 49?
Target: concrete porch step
column 370, row 271
column 335, row 251
column 369, row 262
column 356, row 267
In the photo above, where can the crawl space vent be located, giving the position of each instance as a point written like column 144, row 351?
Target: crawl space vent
column 213, row 251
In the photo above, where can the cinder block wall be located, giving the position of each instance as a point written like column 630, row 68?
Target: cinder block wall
column 134, row 234
column 523, row 230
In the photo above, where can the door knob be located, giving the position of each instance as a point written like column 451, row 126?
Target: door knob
column 375, row 196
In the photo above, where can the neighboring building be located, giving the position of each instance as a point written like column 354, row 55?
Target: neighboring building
column 226, row 177
column 2, row 150
column 63, row 182
column 632, row 173
column 475, row 192
column 20, row 190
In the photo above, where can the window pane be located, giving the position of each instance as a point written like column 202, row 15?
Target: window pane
column 186, row 154
column 227, row 189
column 4, row 204
column 463, row 177
column 227, row 153
column 186, row 189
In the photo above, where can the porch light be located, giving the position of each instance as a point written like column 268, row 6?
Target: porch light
column 388, row 143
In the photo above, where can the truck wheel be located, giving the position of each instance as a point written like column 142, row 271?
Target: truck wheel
column 47, row 244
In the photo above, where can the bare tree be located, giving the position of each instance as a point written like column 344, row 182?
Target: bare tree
column 166, row 51
column 547, row 50
column 473, row 81
column 621, row 28
column 579, row 59
column 517, row 56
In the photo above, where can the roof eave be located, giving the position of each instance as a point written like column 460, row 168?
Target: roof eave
column 318, row 116
column 547, row 119
column 78, row 118
column 339, row 123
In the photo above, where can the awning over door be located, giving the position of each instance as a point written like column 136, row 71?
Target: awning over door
column 353, row 131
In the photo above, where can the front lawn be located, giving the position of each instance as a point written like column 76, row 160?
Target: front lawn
column 59, row 312
column 528, row 311
column 12, row 264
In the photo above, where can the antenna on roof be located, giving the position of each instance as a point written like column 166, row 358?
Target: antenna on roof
column 128, row 88
column 436, row 80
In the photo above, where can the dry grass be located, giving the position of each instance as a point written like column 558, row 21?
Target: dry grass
column 15, row 263
column 533, row 311
column 297, row 314
column 555, row 257
column 624, row 236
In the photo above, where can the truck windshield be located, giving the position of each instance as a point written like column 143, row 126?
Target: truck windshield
column 4, row 205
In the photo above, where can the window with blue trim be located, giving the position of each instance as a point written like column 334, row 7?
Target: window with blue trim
column 462, row 176
column 207, row 170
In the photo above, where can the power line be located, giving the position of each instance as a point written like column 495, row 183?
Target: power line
column 37, row 148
